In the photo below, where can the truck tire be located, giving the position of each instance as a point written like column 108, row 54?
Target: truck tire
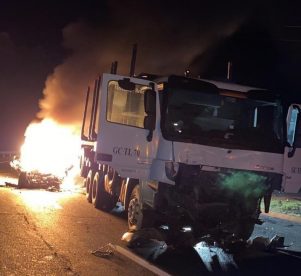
column 135, row 213
column 22, row 180
column 100, row 198
column 112, row 182
column 89, row 181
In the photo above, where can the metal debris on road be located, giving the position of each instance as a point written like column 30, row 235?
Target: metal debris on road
column 53, row 189
column 275, row 245
column 277, row 242
column 140, row 261
column 208, row 253
column 108, row 250
column 105, row 251
column 266, row 244
column 8, row 184
column 147, row 242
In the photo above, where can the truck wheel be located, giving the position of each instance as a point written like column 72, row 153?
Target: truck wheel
column 89, row 180
column 22, row 181
column 112, row 182
column 135, row 214
column 101, row 199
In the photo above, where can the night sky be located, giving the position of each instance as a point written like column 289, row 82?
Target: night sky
column 51, row 50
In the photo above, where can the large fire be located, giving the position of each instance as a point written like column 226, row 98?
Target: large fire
column 50, row 148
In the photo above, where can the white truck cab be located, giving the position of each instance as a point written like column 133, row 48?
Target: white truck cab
column 178, row 151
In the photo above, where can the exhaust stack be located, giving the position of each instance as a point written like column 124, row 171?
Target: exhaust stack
column 114, row 67
column 229, row 71
column 93, row 132
column 93, row 108
column 133, row 60
column 83, row 137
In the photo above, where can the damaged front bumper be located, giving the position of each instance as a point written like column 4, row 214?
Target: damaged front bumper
column 219, row 202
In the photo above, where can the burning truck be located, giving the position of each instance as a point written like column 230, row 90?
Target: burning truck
column 188, row 154
column 47, row 155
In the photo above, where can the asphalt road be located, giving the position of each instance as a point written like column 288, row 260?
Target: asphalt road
column 289, row 228
column 54, row 233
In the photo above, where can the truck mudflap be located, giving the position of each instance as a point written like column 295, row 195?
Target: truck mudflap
column 220, row 203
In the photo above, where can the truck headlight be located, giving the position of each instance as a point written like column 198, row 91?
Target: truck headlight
column 171, row 170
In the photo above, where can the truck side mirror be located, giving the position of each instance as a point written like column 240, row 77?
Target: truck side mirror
column 293, row 122
column 150, row 101
column 149, row 122
column 150, row 110
column 83, row 136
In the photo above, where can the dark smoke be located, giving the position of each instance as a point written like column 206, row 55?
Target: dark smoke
column 169, row 36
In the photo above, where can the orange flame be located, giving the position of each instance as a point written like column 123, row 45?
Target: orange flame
column 50, row 148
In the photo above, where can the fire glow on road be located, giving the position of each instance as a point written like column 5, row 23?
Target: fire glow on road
column 47, row 206
column 40, row 200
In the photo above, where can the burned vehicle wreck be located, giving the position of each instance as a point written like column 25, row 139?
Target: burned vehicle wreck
column 34, row 179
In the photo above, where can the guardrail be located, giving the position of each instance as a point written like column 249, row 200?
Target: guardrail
column 8, row 154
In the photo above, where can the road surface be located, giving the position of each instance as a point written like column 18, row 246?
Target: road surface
column 54, row 233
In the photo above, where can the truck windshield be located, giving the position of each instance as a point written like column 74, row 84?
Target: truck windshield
column 221, row 120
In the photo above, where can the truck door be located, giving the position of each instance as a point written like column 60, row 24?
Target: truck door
column 292, row 155
column 125, row 140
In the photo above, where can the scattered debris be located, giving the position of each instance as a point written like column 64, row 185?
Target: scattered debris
column 148, row 243
column 259, row 243
column 140, row 261
column 214, row 256
column 118, row 209
column 53, row 189
column 276, row 242
column 105, row 251
column 273, row 245
column 145, row 233
column 109, row 250
column 266, row 244
column 8, row 184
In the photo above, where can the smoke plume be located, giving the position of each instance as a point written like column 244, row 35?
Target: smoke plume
column 168, row 34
